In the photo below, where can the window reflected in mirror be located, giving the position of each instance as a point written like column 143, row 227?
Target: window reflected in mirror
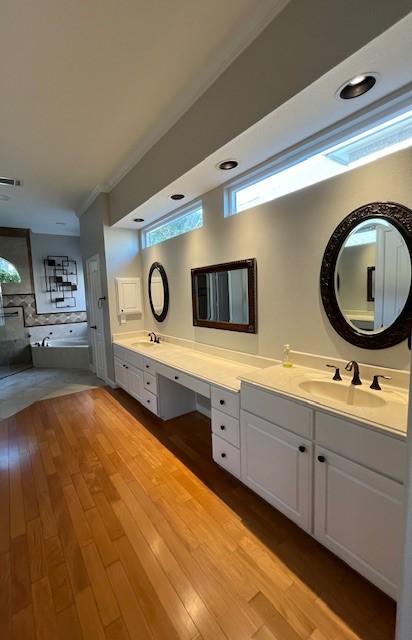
column 373, row 276
column 158, row 291
column 224, row 296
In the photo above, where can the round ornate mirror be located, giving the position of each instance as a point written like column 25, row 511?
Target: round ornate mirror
column 158, row 291
column 365, row 278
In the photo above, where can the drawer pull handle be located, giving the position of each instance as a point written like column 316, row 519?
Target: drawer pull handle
column 321, row 458
column 148, row 401
column 302, row 449
column 223, row 455
column 147, row 366
column 125, row 366
column 222, row 426
column 147, row 382
column 176, row 377
column 222, row 401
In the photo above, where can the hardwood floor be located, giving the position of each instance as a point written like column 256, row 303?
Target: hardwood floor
column 114, row 525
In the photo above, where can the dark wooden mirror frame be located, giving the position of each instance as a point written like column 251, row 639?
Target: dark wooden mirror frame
column 401, row 218
column 250, row 265
column 159, row 316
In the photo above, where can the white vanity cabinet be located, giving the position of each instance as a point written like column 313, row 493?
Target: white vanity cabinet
column 339, row 479
column 277, row 464
column 358, row 499
column 129, row 378
column 358, row 516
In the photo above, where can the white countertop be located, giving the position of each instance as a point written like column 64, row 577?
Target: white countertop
column 227, row 373
column 213, row 369
column 392, row 416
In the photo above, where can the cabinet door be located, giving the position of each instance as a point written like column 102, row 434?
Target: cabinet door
column 277, row 464
column 120, row 373
column 135, row 383
column 358, row 516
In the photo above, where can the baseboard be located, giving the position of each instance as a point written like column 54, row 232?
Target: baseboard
column 111, row 383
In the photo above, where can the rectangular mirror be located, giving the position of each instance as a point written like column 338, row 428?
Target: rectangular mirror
column 224, row 296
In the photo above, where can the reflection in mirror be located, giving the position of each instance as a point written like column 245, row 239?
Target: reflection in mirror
column 158, row 291
column 373, row 276
column 224, row 296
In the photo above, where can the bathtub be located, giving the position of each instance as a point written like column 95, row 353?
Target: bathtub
column 62, row 353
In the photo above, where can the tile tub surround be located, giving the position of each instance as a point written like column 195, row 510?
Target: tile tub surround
column 69, row 330
column 25, row 388
column 33, row 319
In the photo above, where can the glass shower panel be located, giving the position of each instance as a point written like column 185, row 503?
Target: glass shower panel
column 15, row 354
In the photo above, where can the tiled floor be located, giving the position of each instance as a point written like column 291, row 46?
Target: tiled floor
column 21, row 390
column 12, row 369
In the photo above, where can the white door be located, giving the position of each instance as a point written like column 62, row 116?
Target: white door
column 358, row 516
column 95, row 317
column 392, row 276
column 277, row 465
column 135, row 382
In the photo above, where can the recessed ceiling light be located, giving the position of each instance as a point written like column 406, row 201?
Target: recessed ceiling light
column 177, row 196
column 226, row 165
column 138, row 220
column 357, row 86
column 4, row 197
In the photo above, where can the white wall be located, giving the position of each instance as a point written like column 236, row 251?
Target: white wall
column 118, row 251
column 43, row 245
column 301, row 44
column 122, row 261
column 287, row 237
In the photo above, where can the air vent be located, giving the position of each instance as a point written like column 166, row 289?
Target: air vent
column 11, row 182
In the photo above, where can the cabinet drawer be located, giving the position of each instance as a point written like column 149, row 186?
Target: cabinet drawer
column 378, row 451
column 225, row 401
column 149, row 401
column 129, row 356
column 190, row 382
column 226, row 455
column 150, row 382
column 285, row 413
column 226, row 427
column 148, row 366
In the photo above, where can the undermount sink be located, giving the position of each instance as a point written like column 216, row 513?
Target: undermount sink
column 143, row 343
column 349, row 395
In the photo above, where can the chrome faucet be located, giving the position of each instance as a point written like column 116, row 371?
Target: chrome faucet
column 43, row 342
column 354, row 365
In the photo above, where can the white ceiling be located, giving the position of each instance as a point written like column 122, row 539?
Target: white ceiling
column 88, row 87
column 310, row 111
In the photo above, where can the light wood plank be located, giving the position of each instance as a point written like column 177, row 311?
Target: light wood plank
column 105, row 600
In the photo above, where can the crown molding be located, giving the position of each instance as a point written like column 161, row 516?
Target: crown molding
column 187, row 100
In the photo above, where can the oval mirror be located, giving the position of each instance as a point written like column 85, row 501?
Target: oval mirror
column 366, row 283
column 158, row 291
